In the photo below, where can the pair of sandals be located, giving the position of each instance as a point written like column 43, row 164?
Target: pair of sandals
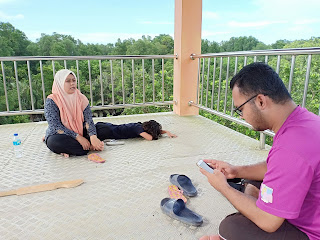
column 175, row 207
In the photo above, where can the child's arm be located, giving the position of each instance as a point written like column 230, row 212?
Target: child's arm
column 170, row 135
column 146, row 136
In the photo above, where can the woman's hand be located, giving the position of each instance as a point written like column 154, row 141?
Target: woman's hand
column 96, row 143
column 84, row 142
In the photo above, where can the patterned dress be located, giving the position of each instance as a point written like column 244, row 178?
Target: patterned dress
column 55, row 126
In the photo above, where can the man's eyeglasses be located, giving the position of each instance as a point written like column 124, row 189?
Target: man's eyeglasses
column 238, row 111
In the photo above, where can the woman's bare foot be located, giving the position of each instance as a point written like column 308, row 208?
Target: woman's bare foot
column 65, row 155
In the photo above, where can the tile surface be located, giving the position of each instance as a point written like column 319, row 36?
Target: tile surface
column 120, row 198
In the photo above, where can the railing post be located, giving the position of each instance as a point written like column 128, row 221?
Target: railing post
column 262, row 140
column 187, row 41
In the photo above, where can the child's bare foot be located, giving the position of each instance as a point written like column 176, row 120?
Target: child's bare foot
column 215, row 237
column 65, row 155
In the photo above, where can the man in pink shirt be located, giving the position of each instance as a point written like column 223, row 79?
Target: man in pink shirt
column 287, row 205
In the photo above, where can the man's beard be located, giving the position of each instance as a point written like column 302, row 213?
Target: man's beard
column 259, row 123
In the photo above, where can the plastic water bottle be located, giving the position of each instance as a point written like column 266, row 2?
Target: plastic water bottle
column 17, row 145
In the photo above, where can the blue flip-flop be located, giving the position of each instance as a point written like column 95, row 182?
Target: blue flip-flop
column 176, row 209
column 184, row 183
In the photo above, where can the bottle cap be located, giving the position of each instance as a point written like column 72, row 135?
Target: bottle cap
column 16, row 134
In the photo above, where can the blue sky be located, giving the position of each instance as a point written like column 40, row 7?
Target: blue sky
column 105, row 21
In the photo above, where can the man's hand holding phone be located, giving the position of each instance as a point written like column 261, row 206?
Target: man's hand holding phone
column 227, row 169
column 215, row 177
column 205, row 166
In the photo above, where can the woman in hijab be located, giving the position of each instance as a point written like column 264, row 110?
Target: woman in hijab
column 71, row 130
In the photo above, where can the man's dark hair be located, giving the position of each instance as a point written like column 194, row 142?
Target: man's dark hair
column 153, row 128
column 260, row 78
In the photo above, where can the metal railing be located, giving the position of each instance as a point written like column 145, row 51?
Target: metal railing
column 298, row 68
column 109, row 82
column 112, row 82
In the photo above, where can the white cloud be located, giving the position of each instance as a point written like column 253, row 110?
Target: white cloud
column 286, row 4
column 5, row 17
column 306, row 21
column 288, row 9
column 210, row 15
column 156, row 23
column 300, row 29
column 206, row 33
column 33, row 36
column 253, row 24
column 6, row 1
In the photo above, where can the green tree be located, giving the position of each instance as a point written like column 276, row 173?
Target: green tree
column 142, row 46
column 122, row 46
column 239, row 44
column 94, row 49
column 164, row 44
column 13, row 39
column 57, row 45
column 279, row 44
column 261, row 46
column 5, row 49
column 209, row 47
column 33, row 49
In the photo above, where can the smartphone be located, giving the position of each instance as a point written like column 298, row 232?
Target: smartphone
column 205, row 166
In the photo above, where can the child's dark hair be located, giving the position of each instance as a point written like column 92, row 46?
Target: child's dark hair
column 153, row 128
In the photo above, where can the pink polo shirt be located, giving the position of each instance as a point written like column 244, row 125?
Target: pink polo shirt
column 291, row 186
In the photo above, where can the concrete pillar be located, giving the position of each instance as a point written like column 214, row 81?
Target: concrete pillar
column 187, row 40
